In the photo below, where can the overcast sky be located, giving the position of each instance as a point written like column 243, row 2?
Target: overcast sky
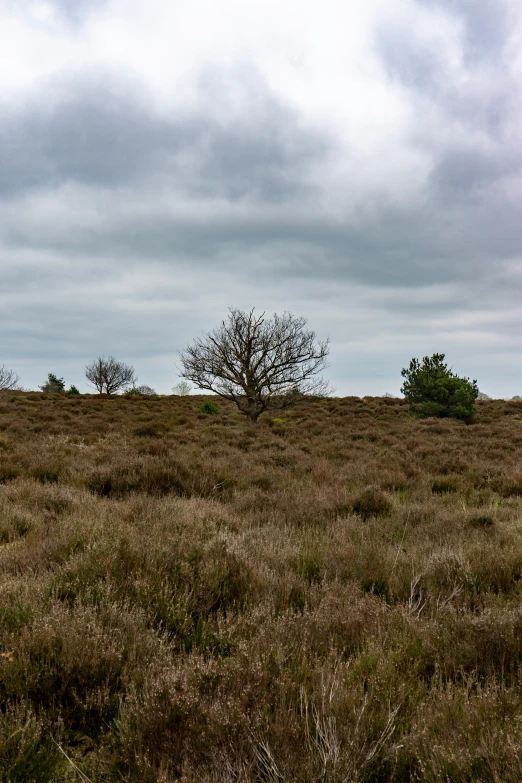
column 357, row 162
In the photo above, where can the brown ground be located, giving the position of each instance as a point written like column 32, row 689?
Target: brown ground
column 331, row 598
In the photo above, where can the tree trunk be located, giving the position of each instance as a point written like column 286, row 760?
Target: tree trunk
column 252, row 408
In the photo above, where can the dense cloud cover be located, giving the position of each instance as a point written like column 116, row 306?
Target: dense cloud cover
column 354, row 163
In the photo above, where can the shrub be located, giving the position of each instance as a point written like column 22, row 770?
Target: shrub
column 27, row 752
column 53, row 384
column 210, row 408
column 483, row 520
column 372, row 503
column 149, row 431
column 378, row 587
column 46, row 475
column 8, row 473
column 73, row 390
column 137, row 390
column 444, row 485
column 432, row 389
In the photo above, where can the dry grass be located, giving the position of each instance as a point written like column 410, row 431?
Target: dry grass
column 330, row 597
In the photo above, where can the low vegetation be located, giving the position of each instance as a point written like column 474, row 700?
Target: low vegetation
column 330, row 596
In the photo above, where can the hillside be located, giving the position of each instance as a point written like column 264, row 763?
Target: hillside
column 334, row 596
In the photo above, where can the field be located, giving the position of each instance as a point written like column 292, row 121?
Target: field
column 329, row 597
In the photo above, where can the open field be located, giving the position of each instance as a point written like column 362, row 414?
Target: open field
column 331, row 598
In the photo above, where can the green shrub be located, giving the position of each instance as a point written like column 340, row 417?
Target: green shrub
column 432, row 389
column 210, row 408
column 72, row 390
column 53, row 384
column 139, row 391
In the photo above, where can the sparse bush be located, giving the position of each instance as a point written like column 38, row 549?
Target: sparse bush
column 9, row 380
column 432, row 389
column 182, row 389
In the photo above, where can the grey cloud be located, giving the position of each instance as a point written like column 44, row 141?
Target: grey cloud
column 107, row 134
column 415, row 66
column 76, row 10
column 467, row 125
column 73, row 12
column 489, row 105
column 95, row 138
column 435, row 242
column 460, row 171
column 109, row 139
column 486, row 25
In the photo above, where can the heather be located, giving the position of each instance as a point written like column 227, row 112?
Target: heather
column 331, row 595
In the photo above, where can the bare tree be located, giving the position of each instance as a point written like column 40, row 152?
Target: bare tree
column 257, row 363
column 109, row 376
column 9, row 379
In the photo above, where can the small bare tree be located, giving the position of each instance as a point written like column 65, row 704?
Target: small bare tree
column 257, row 363
column 182, row 388
column 9, row 380
column 109, row 376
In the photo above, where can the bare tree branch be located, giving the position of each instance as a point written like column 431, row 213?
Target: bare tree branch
column 257, row 363
column 9, row 379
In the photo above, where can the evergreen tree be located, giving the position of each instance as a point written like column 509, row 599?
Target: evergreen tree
column 432, row 389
